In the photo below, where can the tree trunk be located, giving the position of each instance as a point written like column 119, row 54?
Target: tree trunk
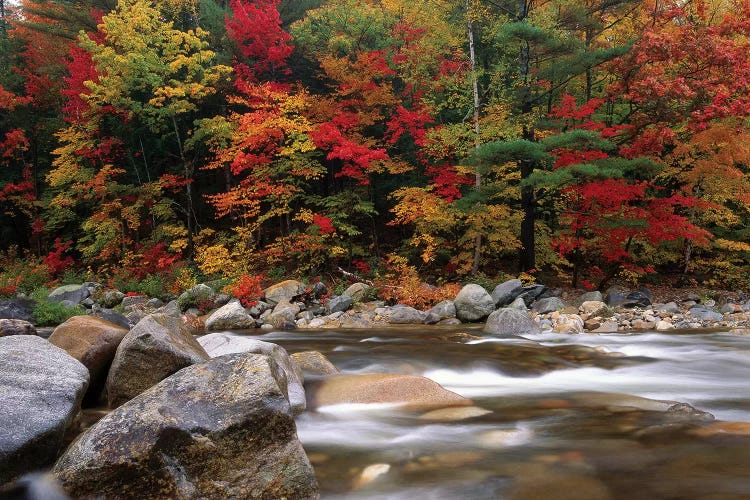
column 475, row 90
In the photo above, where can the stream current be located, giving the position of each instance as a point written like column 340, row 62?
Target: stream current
column 568, row 416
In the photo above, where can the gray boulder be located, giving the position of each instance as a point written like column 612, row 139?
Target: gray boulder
column 509, row 321
column 505, row 293
column 131, row 301
column 221, row 429
column 112, row 316
column 595, row 296
column 285, row 291
column 109, row 298
column 283, row 316
column 158, row 346
column 340, row 303
column 231, row 316
column 221, row 344
column 548, row 305
column 473, row 303
column 519, row 304
column 15, row 309
column 405, row 316
column 705, row 313
column 444, row 310
column 42, row 388
column 531, row 293
column 73, row 293
column 16, row 327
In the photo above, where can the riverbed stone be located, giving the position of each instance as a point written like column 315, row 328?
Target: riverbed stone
column 42, row 389
column 220, row 344
column 705, row 313
column 158, row 346
column 285, row 291
column 506, row 292
column 109, row 298
column 406, row 316
column 518, row 304
column 548, row 305
column 10, row 327
column 531, row 293
column 73, row 293
column 508, row 321
column 473, row 303
column 444, row 310
column 595, row 308
column 313, row 363
column 410, row 391
column 231, row 316
column 131, row 301
column 340, row 303
column 568, row 323
column 594, row 296
column 357, row 291
column 283, row 316
column 16, row 309
column 221, row 429
column 93, row 342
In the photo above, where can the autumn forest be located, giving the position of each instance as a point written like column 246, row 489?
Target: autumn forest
column 172, row 141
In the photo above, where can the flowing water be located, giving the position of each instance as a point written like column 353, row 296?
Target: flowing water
column 566, row 416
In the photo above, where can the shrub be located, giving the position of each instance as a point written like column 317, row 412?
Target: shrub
column 49, row 313
column 248, row 289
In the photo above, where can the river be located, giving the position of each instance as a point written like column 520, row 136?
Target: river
column 566, row 418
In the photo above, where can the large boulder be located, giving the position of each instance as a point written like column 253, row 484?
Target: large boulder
column 221, row 429
column 221, row 344
column 231, row 316
column 506, row 292
column 15, row 309
column 285, row 291
column 16, row 327
column 42, row 388
column 158, row 346
column 357, row 291
column 509, row 321
column 73, row 293
column 531, row 293
column 339, row 303
column 313, row 363
column 410, row 391
column 444, row 310
column 548, row 305
column 405, row 315
column 111, row 316
column 93, row 342
column 473, row 303
column 283, row 316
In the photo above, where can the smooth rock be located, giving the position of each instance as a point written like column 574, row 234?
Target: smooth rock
column 357, row 291
column 15, row 309
column 112, row 316
column 93, row 342
column 638, row 298
column 669, row 308
column 370, row 474
column 595, row 296
column 405, row 316
column 508, row 321
column 10, row 327
column 73, row 293
column 663, row 325
column 220, row 429
column 283, row 316
column 285, row 291
column 42, row 387
column 568, row 323
column 531, row 293
column 158, row 346
column 231, row 316
column 548, row 305
column 594, row 308
column 444, row 310
column 410, row 391
column 704, row 313
column 317, row 323
column 340, row 304
column 454, row 414
column 518, row 304
column 313, row 363
column 505, row 293
column 220, row 344
column 473, row 303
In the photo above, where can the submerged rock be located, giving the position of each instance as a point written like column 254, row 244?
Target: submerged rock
column 313, row 363
column 42, row 388
column 410, row 391
column 222, row 429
